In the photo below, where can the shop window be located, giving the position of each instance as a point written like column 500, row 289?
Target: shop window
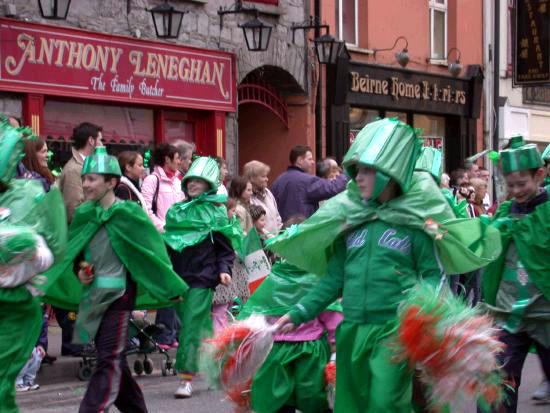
column 438, row 29
column 359, row 117
column 433, row 129
column 347, row 28
column 399, row 115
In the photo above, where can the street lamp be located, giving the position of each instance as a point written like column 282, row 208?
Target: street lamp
column 54, row 9
column 256, row 34
column 402, row 57
column 167, row 20
column 327, row 49
column 455, row 67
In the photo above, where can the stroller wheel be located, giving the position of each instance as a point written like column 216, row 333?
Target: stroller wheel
column 148, row 366
column 164, row 368
column 138, row 367
column 84, row 372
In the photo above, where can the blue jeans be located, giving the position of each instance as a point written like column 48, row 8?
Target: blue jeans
column 28, row 373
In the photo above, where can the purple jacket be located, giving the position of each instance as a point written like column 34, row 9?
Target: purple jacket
column 298, row 192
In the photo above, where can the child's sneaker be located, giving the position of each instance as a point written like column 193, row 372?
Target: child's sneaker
column 21, row 388
column 543, row 392
column 165, row 347
column 184, row 390
column 34, row 386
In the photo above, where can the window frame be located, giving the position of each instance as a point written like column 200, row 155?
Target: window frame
column 433, row 6
column 340, row 23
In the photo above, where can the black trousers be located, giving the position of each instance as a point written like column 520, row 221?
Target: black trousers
column 512, row 359
column 67, row 329
column 112, row 381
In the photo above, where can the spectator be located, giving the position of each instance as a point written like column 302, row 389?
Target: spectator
column 35, row 163
column 222, row 189
column 445, row 181
column 484, row 174
column 131, row 165
column 480, row 190
column 328, row 168
column 297, row 191
column 185, row 150
column 472, row 169
column 162, row 188
column 256, row 172
column 241, row 190
column 86, row 137
column 459, row 178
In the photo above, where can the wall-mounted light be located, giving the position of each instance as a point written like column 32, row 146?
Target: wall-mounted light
column 327, row 48
column 256, row 33
column 54, row 9
column 402, row 57
column 167, row 20
column 455, row 67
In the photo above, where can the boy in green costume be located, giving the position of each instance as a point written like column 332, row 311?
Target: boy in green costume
column 374, row 241
column 121, row 263
column 516, row 287
column 201, row 242
column 34, row 232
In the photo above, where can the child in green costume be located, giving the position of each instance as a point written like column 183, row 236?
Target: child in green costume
column 121, row 263
column 33, row 233
column 516, row 287
column 201, row 242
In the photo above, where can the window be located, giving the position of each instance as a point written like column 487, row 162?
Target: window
column 438, row 29
column 273, row 2
column 346, row 21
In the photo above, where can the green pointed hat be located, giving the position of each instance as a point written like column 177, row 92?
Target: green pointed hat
column 520, row 156
column 205, row 168
column 546, row 154
column 101, row 163
column 388, row 145
column 11, row 150
column 431, row 161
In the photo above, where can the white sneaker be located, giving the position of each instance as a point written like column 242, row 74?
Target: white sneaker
column 34, row 386
column 184, row 390
column 543, row 392
column 21, row 388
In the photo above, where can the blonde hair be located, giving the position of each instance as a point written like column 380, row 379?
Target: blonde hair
column 478, row 183
column 255, row 168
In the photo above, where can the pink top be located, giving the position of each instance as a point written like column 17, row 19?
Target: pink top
column 314, row 329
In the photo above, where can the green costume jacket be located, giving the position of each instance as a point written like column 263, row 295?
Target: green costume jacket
column 135, row 241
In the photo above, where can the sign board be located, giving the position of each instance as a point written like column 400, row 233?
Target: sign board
column 36, row 58
column 532, row 42
column 536, row 95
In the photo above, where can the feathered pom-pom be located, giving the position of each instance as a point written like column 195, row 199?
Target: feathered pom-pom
column 454, row 345
column 330, row 380
column 232, row 357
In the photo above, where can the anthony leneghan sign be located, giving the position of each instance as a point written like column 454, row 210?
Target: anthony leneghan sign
column 66, row 62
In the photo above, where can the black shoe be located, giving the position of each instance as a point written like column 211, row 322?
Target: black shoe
column 49, row 359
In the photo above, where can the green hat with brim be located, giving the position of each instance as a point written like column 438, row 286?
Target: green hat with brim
column 11, row 150
column 431, row 161
column 520, row 156
column 101, row 163
column 546, row 154
column 387, row 145
column 205, row 168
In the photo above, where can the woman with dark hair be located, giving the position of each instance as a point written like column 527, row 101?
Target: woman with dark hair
column 131, row 165
column 35, row 163
column 241, row 190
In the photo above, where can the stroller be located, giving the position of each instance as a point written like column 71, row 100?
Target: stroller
column 140, row 342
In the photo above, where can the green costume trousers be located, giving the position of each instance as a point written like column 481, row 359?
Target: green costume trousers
column 367, row 380
column 196, row 324
column 293, row 375
column 20, row 324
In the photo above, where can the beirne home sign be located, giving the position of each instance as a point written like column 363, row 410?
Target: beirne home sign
column 397, row 89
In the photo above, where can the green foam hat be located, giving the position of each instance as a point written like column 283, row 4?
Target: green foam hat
column 101, row 163
column 387, row 145
column 520, row 156
column 11, row 150
column 546, row 154
column 431, row 161
column 205, row 168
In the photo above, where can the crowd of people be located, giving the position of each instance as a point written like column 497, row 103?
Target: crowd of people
column 172, row 241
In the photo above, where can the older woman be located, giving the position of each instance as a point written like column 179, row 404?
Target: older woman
column 257, row 172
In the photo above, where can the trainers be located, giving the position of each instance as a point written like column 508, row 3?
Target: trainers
column 165, row 346
column 34, row 386
column 184, row 390
column 543, row 392
column 21, row 388
column 175, row 344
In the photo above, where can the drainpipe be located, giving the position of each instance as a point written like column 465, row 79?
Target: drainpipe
column 318, row 105
column 496, row 81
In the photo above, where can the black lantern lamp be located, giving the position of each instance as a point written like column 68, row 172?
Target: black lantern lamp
column 402, row 57
column 167, row 20
column 327, row 49
column 455, row 67
column 54, row 9
column 256, row 34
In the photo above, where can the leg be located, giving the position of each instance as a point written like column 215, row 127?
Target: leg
column 219, row 316
column 64, row 320
column 130, row 397
column 109, row 375
column 544, row 355
column 309, row 369
column 166, row 317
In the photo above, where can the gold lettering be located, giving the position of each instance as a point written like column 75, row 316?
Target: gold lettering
column 151, row 65
column 363, row 85
column 26, row 43
column 115, row 56
column 394, row 88
column 46, row 49
column 355, row 82
column 173, row 68
column 205, row 78
column 89, row 57
column 426, row 89
column 102, row 58
column 195, row 70
column 218, row 76
column 409, row 90
column 75, row 55
column 163, row 65
column 183, row 69
column 61, row 46
column 417, row 91
column 135, row 59
column 385, row 87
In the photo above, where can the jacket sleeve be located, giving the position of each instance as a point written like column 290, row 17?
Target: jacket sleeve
column 428, row 267
column 224, row 253
column 148, row 188
column 123, row 192
column 328, row 289
column 73, row 195
column 320, row 189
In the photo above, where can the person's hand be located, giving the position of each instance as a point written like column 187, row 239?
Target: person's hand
column 86, row 273
column 225, row 278
column 284, row 325
column 41, row 350
column 138, row 314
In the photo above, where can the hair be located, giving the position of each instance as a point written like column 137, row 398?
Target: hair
column 237, row 186
column 220, row 161
column 183, row 147
column 456, row 175
column 323, row 168
column 231, row 203
column 256, row 212
column 82, row 132
column 255, row 168
column 482, row 168
column 477, row 183
column 108, row 177
column 297, row 151
column 127, row 158
column 162, row 151
column 31, row 148
column 294, row 220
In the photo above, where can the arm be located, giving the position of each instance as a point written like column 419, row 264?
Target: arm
column 73, row 195
column 427, row 263
column 148, row 189
column 320, row 189
column 328, row 289
column 224, row 253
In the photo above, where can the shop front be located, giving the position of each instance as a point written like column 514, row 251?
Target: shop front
column 445, row 108
column 141, row 92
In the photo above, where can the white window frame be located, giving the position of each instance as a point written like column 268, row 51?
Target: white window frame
column 433, row 6
column 340, row 23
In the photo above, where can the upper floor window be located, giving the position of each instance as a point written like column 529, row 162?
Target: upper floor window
column 438, row 29
column 346, row 21
column 274, row 2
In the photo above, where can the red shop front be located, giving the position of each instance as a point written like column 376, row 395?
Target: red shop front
column 141, row 92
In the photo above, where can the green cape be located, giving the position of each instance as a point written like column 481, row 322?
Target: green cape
column 531, row 235
column 137, row 244
column 190, row 222
column 463, row 245
column 459, row 208
column 280, row 291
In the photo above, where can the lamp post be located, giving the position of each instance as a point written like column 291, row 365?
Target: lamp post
column 256, row 33
column 167, row 20
column 54, row 9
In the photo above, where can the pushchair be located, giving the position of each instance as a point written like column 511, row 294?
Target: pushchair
column 140, row 342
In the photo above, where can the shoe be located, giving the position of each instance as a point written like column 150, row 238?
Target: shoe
column 175, row 344
column 21, row 388
column 165, row 347
column 184, row 390
column 34, row 386
column 543, row 392
column 49, row 359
